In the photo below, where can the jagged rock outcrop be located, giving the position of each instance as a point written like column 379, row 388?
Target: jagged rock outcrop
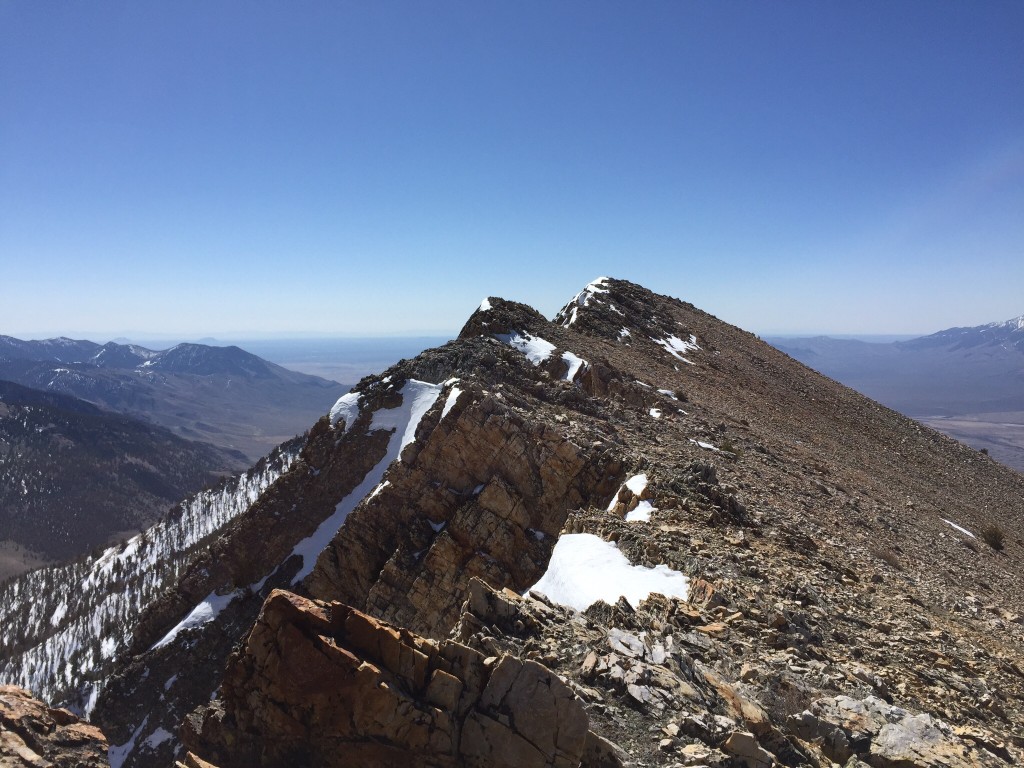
column 484, row 495
column 324, row 684
column 33, row 734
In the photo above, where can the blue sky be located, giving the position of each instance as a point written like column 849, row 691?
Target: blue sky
column 257, row 168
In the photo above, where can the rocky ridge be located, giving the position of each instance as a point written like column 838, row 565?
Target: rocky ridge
column 841, row 607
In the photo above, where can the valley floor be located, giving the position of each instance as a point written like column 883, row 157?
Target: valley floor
column 1001, row 434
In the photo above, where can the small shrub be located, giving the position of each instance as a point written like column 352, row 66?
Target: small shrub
column 887, row 557
column 985, row 451
column 993, row 536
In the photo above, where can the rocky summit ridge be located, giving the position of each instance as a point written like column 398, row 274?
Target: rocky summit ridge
column 783, row 572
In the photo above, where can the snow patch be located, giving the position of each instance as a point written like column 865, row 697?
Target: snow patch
column 585, row 568
column 668, row 393
column 959, row 528
column 485, row 306
column 575, row 363
column 157, row 737
column 347, row 409
column 536, row 349
column 677, row 347
column 655, row 413
column 118, row 753
column 378, row 489
column 642, row 513
column 417, row 398
column 637, row 483
column 702, row 444
column 207, row 610
column 453, row 398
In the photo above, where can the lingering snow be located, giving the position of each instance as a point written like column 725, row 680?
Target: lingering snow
column 677, row 347
column 668, row 393
column 436, row 527
column 417, row 398
column 117, row 753
column 655, row 413
column 702, row 444
column 69, row 662
column 959, row 528
column 157, row 737
column 207, row 610
column 536, row 349
column 379, row 488
column 347, row 409
column 582, row 299
column 575, row 363
column 485, row 305
column 624, row 332
column 642, row 513
column 453, row 397
column 584, row 569
column 637, row 483
column 108, row 647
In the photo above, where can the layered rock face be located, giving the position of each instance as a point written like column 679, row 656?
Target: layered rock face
column 33, row 734
column 324, row 684
column 485, row 496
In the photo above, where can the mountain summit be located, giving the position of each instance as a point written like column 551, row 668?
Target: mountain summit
column 634, row 535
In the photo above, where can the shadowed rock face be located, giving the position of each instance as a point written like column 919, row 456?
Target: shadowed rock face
column 33, row 734
column 324, row 684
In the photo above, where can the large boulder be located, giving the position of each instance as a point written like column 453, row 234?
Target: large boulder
column 33, row 734
column 328, row 685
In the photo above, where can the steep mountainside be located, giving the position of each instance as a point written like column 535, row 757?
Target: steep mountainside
column 63, row 628
column 956, row 371
column 824, row 593
column 72, row 476
column 220, row 395
column 965, row 382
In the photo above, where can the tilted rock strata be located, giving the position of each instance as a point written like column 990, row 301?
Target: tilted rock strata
column 33, row 734
column 324, row 684
column 485, row 494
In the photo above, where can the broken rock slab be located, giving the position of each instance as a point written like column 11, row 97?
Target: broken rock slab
column 885, row 736
column 328, row 685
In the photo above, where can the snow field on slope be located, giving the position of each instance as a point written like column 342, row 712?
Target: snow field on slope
column 677, row 347
column 536, row 349
column 417, row 398
column 575, row 364
column 585, row 568
column 80, row 614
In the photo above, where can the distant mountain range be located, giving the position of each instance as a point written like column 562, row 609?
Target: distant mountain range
column 221, row 395
column 72, row 476
column 967, row 382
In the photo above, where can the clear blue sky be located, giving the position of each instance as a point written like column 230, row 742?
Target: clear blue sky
column 248, row 168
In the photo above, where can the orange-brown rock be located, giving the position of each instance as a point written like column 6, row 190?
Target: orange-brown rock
column 33, row 734
column 324, row 684
column 485, row 494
